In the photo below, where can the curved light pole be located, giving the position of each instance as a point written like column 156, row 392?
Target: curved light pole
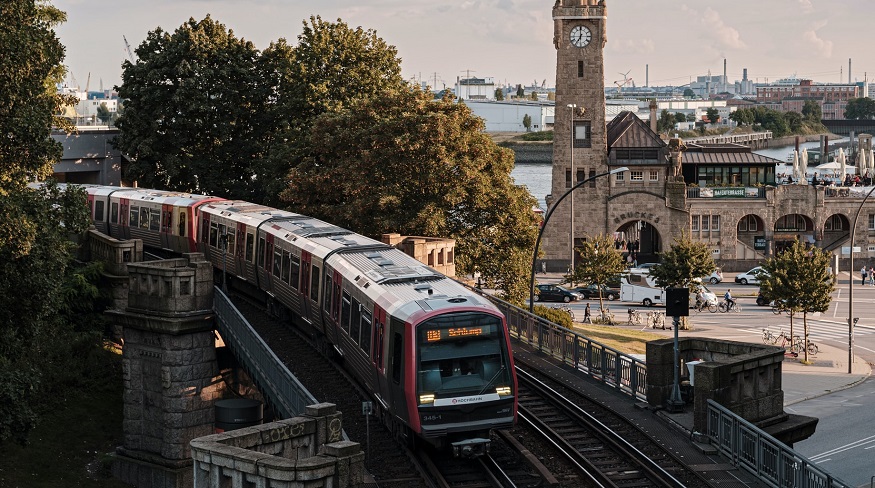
column 573, row 107
column 851, row 320
column 544, row 226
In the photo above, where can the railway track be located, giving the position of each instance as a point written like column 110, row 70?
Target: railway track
column 608, row 450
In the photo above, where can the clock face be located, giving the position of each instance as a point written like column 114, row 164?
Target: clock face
column 580, row 36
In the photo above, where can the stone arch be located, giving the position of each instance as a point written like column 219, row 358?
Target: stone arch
column 835, row 230
column 642, row 239
column 790, row 227
column 750, row 231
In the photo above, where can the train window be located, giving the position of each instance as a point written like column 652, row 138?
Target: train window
column 113, row 213
column 268, row 252
column 397, row 357
column 287, row 264
column 261, row 254
column 277, row 262
column 98, row 210
column 222, row 237
column 214, row 234
column 250, row 246
column 366, row 332
column 345, row 312
column 296, row 272
column 326, row 294
column 183, row 231
column 355, row 323
column 155, row 219
column 232, row 242
column 314, row 283
column 335, row 300
column 134, row 220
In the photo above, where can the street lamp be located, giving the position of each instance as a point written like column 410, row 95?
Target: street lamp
column 851, row 320
column 573, row 108
column 544, row 226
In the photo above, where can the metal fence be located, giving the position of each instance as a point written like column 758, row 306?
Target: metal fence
column 762, row 455
column 614, row 368
column 287, row 395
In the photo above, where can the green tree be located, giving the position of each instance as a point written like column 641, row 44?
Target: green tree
column 689, row 93
column 533, row 96
column 713, row 115
column 331, row 67
column 600, row 262
column 683, row 265
column 405, row 163
column 103, row 114
column 520, row 92
column 860, row 108
column 799, row 278
column 665, row 123
column 193, row 113
column 527, row 122
column 680, row 117
column 812, row 112
column 794, row 121
column 499, row 94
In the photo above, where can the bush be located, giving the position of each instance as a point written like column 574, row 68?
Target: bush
column 554, row 315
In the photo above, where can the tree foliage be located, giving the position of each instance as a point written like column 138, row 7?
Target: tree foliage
column 600, row 263
column 194, row 102
column 812, row 112
column 799, row 278
column 405, row 163
column 666, row 122
column 713, row 115
column 683, row 264
column 499, row 94
column 527, row 122
column 860, row 108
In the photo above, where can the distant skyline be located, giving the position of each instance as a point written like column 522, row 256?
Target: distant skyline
column 512, row 40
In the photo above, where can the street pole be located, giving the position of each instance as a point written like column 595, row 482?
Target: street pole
column 851, row 320
column 544, row 226
column 573, row 107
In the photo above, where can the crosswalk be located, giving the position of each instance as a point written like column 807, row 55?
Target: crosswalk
column 820, row 329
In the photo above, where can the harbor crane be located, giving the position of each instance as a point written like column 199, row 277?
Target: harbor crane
column 128, row 49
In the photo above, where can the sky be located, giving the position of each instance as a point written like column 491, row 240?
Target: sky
column 511, row 41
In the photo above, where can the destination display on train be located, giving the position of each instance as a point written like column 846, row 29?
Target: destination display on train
column 434, row 335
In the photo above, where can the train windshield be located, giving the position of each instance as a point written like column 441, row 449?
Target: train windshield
column 462, row 354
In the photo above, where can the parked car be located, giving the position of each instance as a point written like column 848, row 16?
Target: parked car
column 751, row 277
column 592, row 291
column 714, row 278
column 555, row 293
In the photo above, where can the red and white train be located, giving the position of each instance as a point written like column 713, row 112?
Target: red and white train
column 434, row 356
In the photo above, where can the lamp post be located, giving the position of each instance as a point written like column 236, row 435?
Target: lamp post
column 851, row 320
column 573, row 107
column 544, row 226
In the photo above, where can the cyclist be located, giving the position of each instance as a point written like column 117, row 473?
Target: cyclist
column 700, row 299
column 730, row 302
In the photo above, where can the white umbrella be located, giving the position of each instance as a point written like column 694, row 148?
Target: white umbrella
column 795, row 165
column 803, row 167
column 859, row 163
column 842, row 164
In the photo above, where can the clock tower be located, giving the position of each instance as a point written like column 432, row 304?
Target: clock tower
column 579, row 139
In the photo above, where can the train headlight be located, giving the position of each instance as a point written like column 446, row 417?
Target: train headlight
column 503, row 390
column 426, row 398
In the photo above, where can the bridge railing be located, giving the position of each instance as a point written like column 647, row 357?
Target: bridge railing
column 762, row 455
column 605, row 364
column 288, row 396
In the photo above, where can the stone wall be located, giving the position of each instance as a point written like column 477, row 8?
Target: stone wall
column 305, row 451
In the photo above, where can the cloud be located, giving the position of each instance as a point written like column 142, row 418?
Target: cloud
column 820, row 46
column 632, row 46
column 806, row 6
column 726, row 36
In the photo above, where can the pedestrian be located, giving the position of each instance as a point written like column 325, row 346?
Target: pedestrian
column 863, row 275
column 587, row 317
column 871, row 275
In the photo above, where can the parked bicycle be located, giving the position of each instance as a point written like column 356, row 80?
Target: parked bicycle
column 656, row 319
column 798, row 346
column 566, row 308
column 725, row 306
column 768, row 337
column 634, row 317
column 605, row 317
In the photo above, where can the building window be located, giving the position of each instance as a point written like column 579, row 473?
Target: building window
column 871, row 221
column 748, row 223
column 715, row 223
column 654, row 175
column 636, row 176
column 567, row 178
column 592, row 178
column 694, row 223
column 705, row 223
column 621, row 177
column 582, row 133
column 580, row 69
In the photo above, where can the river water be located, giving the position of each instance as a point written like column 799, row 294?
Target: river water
column 537, row 176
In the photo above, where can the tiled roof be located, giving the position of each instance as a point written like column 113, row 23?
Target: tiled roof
column 627, row 130
column 728, row 158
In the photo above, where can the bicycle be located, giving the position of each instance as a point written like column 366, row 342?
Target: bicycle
column 634, row 317
column 709, row 306
column 656, row 319
column 724, row 307
column 799, row 345
column 778, row 308
column 606, row 316
column 567, row 309
column 769, row 338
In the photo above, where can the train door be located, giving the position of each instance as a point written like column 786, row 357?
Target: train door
column 204, row 238
column 185, row 229
column 306, row 262
column 124, row 214
column 168, row 240
column 397, row 368
column 239, row 260
column 268, row 262
column 378, row 351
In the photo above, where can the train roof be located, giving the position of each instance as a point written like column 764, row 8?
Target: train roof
column 181, row 199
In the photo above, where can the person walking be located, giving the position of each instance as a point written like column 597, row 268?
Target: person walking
column 871, row 275
column 863, row 275
column 587, row 318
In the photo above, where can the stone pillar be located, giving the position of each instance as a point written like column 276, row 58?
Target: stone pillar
column 171, row 378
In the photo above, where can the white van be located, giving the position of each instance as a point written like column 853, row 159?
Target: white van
column 640, row 288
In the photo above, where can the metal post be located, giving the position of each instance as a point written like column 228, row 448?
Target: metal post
column 573, row 107
column 851, row 321
column 675, row 402
column 544, row 226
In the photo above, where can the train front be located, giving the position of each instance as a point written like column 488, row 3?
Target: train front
column 465, row 380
